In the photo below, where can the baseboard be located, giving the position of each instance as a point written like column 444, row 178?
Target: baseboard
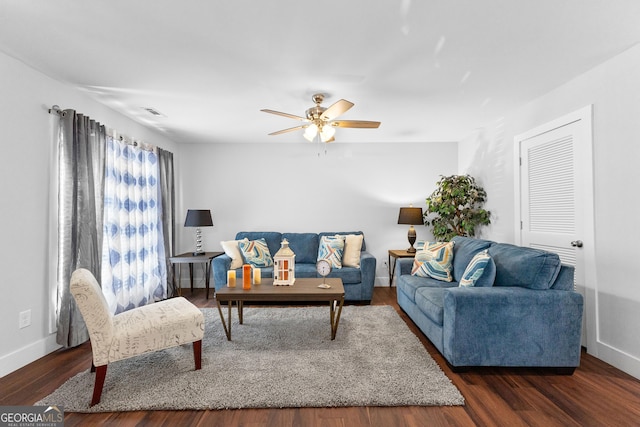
column 25, row 355
column 617, row 358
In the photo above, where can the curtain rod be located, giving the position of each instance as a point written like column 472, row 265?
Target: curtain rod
column 55, row 109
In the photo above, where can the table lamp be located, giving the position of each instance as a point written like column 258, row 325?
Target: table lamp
column 198, row 218
column 411, row 216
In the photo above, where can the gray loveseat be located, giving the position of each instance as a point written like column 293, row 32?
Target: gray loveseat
column 523, row 311
column 358, row 282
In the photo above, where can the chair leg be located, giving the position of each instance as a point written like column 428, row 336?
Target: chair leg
column 197, row 353
column 101, row 373
column 93, row 367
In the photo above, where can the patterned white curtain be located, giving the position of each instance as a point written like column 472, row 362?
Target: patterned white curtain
column 134, row 271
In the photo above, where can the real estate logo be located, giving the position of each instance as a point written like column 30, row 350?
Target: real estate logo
column 31, row 416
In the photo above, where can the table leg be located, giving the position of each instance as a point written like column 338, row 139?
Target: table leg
column 392, row 269
column 208, row 273
column 240, row 311
column 179, row 279
column 227, row 328
column 335, row 316
column 191, row 275
column 174, row 291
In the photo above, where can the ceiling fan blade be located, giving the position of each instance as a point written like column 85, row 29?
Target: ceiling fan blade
column 337, row 108
column 291, row 116
column 288, row 130
column 355, row 124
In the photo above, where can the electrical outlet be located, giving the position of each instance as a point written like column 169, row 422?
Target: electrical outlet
column 24, row 319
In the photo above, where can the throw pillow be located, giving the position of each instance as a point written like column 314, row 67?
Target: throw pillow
column 435, row 261
column 256, row 252
column 475, row 269
column 352, row 249
column 230, row 248
column 331, row 248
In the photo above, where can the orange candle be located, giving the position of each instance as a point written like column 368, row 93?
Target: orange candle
column 246, row 276
column 257, row 276
column 231, row 278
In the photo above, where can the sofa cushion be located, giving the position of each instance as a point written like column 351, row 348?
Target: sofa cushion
column 256, row 252
column 410, row 284
column 480, row 272
column 464, row 249
column 304, row 245
column 435, row 260
column 525, row 267
column 305, row 270
column 431, row 302
column 352, row 248
column 273, row 238
column 230, row 248
column 348, row 275
column 331, row 249
column 344, row 233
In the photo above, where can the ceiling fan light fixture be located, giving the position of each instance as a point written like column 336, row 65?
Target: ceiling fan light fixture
column 327, row 132
column 310, row 132
column 321, row 122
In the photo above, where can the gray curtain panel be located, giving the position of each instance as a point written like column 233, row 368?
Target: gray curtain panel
column 81, row 143
column 167, row 196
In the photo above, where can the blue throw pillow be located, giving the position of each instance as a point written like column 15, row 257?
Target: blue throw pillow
column 475, row 269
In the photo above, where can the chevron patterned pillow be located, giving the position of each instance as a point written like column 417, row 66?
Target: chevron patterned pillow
column 435, row 261
column 475, row 269
column 331, row 248
column 256, row 252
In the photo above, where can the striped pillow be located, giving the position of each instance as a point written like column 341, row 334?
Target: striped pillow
column 475, row 268
column 331, row 248
column 256, row 252
column 435, row 261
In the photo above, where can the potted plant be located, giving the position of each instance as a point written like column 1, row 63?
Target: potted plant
column 455, row 207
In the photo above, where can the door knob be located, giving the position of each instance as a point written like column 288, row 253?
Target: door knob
column 576, row 243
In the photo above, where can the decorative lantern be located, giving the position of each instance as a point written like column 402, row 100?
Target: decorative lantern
column 284, row 265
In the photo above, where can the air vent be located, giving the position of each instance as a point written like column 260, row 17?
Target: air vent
column 153, row 112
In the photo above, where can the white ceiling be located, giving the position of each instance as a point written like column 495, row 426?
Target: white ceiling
column 429, row 70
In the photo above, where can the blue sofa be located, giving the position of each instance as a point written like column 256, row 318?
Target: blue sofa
column 522, row 312
column 358, row 282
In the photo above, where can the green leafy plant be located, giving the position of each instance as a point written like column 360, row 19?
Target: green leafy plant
column 455, row 207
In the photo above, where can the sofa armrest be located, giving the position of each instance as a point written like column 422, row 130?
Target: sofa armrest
column 512, row 326
column 220, row 265
column 367, row 274
column 403, row 266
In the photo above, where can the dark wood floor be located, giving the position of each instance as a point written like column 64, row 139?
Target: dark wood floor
column 595, row 395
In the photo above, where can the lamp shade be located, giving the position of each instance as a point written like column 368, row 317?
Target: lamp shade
column 198, row 218
column 412, row 216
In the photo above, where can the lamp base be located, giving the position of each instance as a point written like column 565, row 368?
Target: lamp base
column 412, row 239
column 199, row 253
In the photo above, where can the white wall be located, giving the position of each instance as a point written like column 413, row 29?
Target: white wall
column 25, row 97
column 351, row 187
column 614, row 90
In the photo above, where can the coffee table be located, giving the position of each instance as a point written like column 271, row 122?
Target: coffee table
column 304, row 290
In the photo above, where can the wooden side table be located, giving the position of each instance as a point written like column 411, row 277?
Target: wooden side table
column 190, row 258
column 395, row 254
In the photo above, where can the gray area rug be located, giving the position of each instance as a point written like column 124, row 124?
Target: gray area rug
column 279, row 357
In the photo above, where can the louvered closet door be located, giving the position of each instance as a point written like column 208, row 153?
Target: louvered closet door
column 548, row 193
column 555, row 188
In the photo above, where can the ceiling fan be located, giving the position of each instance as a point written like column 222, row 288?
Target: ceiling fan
column 321, row 121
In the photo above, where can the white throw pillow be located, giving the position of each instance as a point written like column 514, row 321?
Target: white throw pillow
column 231, row 249
column 352, row 249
